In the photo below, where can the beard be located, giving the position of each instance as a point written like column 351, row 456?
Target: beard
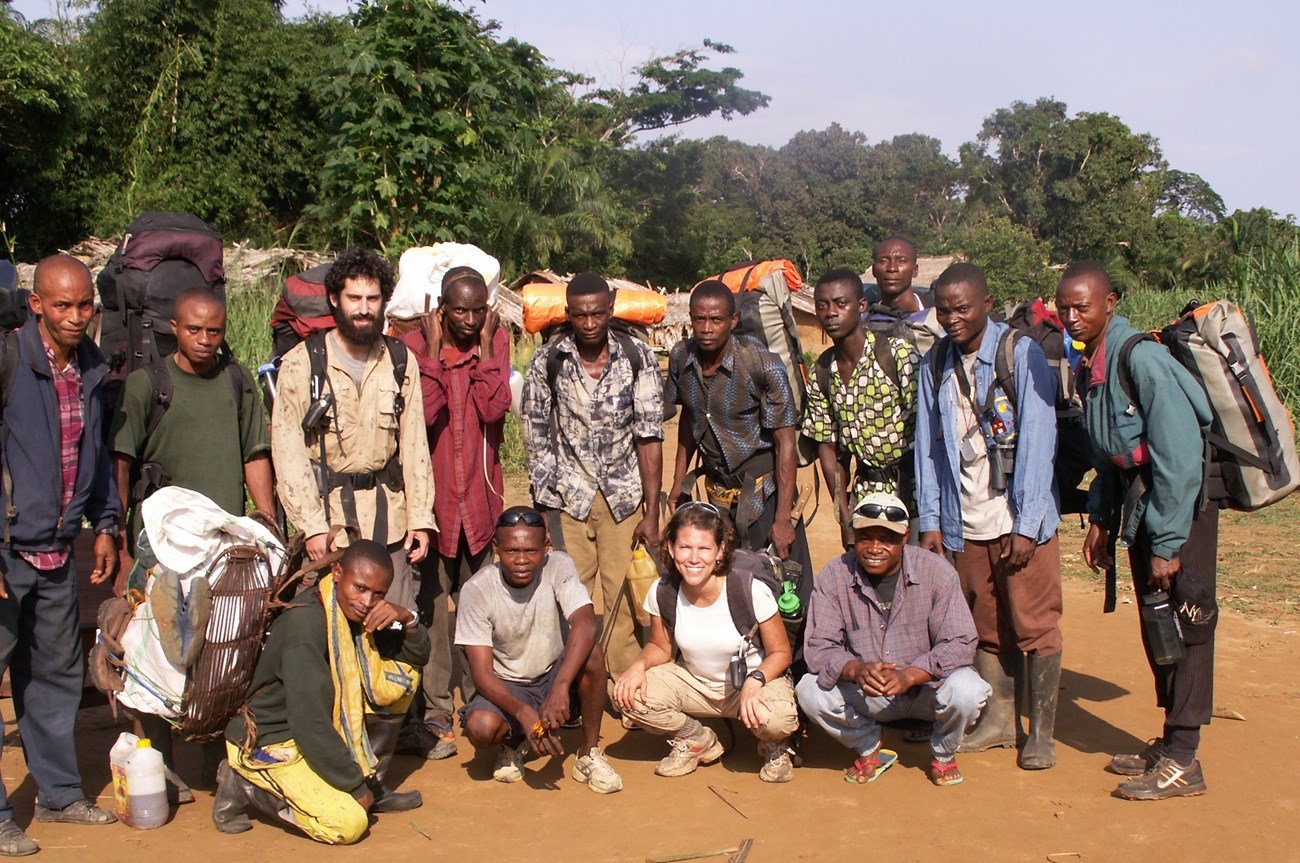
column 361, row 332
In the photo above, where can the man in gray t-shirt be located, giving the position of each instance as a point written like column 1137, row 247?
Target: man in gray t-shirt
column 511, row 619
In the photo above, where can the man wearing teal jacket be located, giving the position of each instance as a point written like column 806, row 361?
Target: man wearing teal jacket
column 1145, row 424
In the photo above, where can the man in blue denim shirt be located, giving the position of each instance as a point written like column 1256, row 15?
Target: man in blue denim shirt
column 985, row 446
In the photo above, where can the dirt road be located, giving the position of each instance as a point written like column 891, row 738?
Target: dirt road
column 998, row 814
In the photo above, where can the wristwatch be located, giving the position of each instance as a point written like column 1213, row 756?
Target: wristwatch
column 759, row 676
column 112, row 530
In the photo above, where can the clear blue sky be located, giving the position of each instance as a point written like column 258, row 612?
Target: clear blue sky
column 1215, row 83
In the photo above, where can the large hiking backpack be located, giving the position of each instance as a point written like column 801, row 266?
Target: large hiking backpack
column 766, row 313
column 1252, row 436
column 918, row 328
column 1033, row 320
column 161, row 255
column 1073, row 449
column 746, row 566
column 303, row 309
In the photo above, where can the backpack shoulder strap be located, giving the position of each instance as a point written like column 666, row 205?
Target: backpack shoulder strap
column 160, row 384
column 627, row 342
column 740, row 594
column 885, row 358
column 553, row 363
column 399, row 355
column 823, row 371
column 666, row 596
column 316, row 360
column 938, row 353
column 1004, row 366
column 1124, row 367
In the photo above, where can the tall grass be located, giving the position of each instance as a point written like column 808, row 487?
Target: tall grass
column 514, row 462
column 248, row 319
column 1265, row 283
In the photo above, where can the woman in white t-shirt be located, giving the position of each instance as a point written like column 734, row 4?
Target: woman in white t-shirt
column 667, row 697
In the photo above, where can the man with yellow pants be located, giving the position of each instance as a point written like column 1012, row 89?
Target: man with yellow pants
column 327, row 699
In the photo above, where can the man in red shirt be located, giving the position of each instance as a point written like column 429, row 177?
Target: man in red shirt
column 464, row 357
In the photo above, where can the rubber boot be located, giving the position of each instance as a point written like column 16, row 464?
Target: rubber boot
column 230, row 805
column 997, row 724
column 383, row 732
column 1044, row 675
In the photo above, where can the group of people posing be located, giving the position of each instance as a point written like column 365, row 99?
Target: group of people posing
column 384, row 451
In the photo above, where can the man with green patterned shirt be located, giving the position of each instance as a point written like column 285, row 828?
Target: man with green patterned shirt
column 861, row 401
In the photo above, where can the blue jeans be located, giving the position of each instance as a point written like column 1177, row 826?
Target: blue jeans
column 40, row 645
column 853, row 718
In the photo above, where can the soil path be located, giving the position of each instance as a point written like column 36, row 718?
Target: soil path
column 999, row 814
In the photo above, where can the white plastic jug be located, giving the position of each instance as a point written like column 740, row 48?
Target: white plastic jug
column 146, row 787
column 122, row 750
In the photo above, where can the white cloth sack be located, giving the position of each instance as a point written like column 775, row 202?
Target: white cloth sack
column 187, row 532
column 420, row 273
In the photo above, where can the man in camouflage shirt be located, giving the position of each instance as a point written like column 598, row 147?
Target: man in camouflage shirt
column 861, row 401
column 592, row 422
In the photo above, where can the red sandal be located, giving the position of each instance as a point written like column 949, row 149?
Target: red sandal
column 869, row 767
column 945, row 773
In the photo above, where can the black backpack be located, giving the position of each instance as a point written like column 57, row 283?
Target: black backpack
column 160, row 256
column 746, row 566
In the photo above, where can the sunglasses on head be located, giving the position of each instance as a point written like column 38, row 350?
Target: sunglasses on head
column 528, row 517
column 701, row 504
column 895, row 514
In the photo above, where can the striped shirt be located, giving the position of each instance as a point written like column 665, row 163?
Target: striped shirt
column 928, row 625
column 67, row 386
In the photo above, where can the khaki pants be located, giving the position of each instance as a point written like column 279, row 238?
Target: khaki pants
column 672, row 694
column 315, row 807
column 602, row 546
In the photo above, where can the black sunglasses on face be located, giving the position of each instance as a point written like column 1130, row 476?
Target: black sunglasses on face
column 895, row 514
column 527, row 517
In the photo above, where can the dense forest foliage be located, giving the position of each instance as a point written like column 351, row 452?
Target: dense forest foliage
column 410, row 121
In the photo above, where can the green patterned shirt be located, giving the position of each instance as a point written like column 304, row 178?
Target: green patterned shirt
column 868, row 417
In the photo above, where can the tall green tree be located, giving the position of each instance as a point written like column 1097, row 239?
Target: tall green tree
column 206, row 106
column 430, row 117
column 1086, row 184
column 41, row 99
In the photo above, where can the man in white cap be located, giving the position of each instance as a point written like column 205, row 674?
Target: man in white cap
column 890, row 637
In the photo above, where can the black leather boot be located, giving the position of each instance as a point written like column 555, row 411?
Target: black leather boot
column 383, row 732
column 1039, row 752
column 997, row 724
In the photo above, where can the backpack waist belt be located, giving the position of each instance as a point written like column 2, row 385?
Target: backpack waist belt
column 389, row 475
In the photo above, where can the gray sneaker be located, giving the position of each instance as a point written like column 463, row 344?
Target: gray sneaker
column 777, row 766
column 689, row 753
column 14, row 842
column 76, row 812
column 594, row 770
column 509, row 766
column 1167, row 779
column 1137, row 763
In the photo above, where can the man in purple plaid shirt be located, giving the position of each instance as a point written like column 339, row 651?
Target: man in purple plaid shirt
column 890, row 637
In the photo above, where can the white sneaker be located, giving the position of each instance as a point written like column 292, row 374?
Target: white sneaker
column 594, row 770
column 509, row 766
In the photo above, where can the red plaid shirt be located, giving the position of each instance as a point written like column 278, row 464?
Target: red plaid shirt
column 67, row 385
